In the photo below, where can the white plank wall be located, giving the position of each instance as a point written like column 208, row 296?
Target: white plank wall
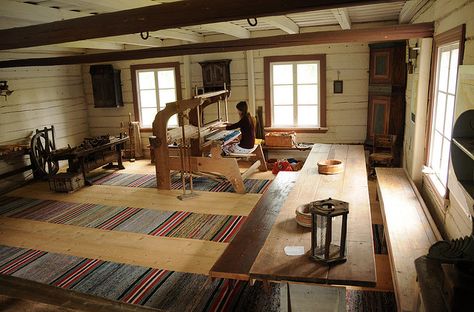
column 43, row 96
column 346, row 113
column 447, row 14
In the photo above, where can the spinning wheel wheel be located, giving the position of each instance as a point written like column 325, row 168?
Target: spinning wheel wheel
column 41, row 156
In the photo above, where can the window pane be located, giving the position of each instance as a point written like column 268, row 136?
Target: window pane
column 443, row 71
column 166, row 79
column 146, row 80
column 173, row 121
column 440, row 106
column 283, row 115
column 308, row 116
column 443, row 174
column 282, row 95
column 448, row 127
column 148, row 98
column 282, row 74
column 307, row 73
column 308, row 94
column 147, row 116
column 436, row 151
column 453, row 71
column 167, row 96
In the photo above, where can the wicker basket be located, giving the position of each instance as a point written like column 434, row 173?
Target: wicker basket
column 330, row 166
column 303, row 217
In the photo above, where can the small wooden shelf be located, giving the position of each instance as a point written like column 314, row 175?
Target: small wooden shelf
column 466, row 145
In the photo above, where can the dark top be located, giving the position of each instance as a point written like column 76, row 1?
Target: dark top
column 247, row 129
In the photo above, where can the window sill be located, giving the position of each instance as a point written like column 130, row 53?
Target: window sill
column 440, row 192
column 297, row 130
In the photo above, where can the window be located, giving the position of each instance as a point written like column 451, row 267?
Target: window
column 295, row 91
column 155, row 85
column 442, row 108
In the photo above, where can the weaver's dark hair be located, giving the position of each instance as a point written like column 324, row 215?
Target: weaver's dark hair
column 243, row 107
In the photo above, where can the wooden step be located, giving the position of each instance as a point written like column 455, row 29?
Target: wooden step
column 238, row 257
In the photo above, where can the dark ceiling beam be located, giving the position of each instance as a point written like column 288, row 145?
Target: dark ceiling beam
column 163, row 16
column 379, row 34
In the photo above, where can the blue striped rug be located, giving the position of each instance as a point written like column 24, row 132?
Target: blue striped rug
column 171, row 291
column 218, row 228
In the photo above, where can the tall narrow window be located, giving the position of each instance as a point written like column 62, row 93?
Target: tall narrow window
column 447, row 49
column 295, row 87
column 155, row 86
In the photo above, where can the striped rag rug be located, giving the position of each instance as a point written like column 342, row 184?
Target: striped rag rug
column 218, row 228
column 159, row 288
column 199, row 184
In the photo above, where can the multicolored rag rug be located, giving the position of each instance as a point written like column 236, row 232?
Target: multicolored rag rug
column 159, row 288
column 199, row 183
column 181, row 224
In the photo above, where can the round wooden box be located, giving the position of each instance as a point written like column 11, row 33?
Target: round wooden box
column 303, row 217
column 330, row 166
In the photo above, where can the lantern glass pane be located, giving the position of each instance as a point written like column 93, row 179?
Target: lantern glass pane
column 320, row 246
column 336, row 236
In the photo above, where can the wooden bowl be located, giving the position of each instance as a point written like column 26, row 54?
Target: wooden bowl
column 303, row 217
column 330, row 166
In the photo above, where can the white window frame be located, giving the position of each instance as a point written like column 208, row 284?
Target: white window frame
column 435, row 175
column 295, row 85
column 155, row 68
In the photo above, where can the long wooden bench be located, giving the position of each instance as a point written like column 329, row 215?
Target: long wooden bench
column 239, row 256
column 409, row 231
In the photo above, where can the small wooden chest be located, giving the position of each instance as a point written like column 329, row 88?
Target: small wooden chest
column 280, row 139
column 66, row 182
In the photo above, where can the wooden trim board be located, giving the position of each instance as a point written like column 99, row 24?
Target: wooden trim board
column 238, row 258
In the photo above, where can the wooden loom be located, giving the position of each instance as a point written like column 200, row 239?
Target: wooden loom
column 203, row 141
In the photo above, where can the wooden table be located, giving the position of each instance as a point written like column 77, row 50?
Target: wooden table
column 78, row 160
column 272, row 264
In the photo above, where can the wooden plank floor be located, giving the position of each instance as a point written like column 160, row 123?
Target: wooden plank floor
column 169, row 253
column 149, row 198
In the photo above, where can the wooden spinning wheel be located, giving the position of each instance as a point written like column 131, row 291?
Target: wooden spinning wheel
column 41, row 153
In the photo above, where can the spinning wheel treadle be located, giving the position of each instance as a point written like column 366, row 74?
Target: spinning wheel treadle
column 41, row 148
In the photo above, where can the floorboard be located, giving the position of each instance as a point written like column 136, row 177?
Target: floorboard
column 149, row 198
column 173, row 254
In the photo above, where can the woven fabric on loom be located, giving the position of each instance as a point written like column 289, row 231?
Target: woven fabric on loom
column 199, row 184
column 218, row 228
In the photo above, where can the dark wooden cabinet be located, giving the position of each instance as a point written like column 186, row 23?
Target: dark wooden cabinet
column 387, row 84
column 106, row 86
column 215, row 74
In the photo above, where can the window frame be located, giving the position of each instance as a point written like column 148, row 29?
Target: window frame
column 452, row 36
column 321, row 58
column 134, row 69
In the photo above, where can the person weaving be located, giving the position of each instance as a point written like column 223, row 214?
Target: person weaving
column 247, row 130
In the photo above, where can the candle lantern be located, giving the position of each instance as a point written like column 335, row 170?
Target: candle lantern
column 329, row 230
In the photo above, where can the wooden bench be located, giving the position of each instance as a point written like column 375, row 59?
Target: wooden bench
column 409, row 231
column 239, row 256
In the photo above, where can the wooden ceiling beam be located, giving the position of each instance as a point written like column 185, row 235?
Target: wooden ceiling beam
column 228, row 29
column 342, row 17
column 282, row 22
column 163, row 16
column 386, row 33
column 179, row 34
